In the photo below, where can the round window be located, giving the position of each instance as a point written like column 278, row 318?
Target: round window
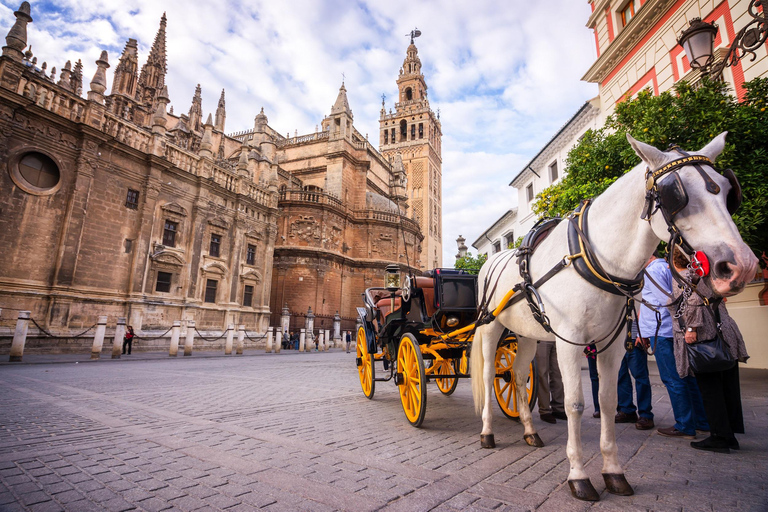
column 39, row 171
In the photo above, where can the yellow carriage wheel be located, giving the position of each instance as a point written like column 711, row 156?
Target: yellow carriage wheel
column 445, row 385
column 504, row 387
column 365, row 368
column 411, row 380
column 464, row 363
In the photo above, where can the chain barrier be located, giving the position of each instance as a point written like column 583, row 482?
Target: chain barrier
column 200, row 335
column 136, row 336
column 257, row 339
column 43, row 331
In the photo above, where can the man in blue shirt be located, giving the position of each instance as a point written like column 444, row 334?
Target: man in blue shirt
column 684, row 394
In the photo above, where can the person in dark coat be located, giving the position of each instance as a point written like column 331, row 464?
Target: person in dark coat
column 128, row 339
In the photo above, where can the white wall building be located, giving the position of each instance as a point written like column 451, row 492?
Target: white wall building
column 499, row 236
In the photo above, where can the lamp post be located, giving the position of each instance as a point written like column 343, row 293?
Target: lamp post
column 392, row 282
column 698, row 41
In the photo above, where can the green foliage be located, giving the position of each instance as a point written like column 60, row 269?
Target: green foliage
column 516, row 244
column 469, row 263
column 689, row 118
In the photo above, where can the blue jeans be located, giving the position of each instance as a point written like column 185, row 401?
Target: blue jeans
column 684, row 394
column 635, row 362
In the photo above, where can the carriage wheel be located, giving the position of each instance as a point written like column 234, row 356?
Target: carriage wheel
column 365, row 368
column 505, row 388
column 464, row 363
column 411, row 380
column 445, row 367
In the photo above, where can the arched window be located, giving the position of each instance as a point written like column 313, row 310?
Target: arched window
column 408, row 94
column 386, row 136
column 403, row 130
column 413, row 131
column 421, row 130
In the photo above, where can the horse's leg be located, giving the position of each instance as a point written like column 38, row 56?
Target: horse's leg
column 608, row 364
column 569, row 358
column 526, row 350
column 489, row 337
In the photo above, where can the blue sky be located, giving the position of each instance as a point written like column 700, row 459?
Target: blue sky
column 505, row 75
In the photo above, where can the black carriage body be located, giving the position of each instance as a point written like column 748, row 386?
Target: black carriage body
column 439, row 298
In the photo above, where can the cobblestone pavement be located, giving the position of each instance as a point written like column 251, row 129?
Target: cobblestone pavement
column 294, row 432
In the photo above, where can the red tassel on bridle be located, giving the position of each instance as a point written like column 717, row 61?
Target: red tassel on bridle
column 700, row 264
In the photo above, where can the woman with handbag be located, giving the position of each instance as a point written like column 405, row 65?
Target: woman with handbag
column 698, row 327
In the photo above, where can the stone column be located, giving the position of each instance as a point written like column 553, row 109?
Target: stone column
column 20, row 337
column 175, row 331
column 230, row 337
column 321, row 341
column 337, row 330
column 240, row 340
column 310, row 328
column 98, row 338
column 328, row 340
column 269, row 339
column 285, row 319
column 302, row 339
column 190, row 341
column 278, row 340
column 117, row 341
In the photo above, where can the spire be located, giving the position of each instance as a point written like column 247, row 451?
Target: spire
column 196, row 110
column 206, row 144
column 152, row 77
column 221, row 113
column 127, row 70
column 341, row 105
column 64, row 77
column 16, row 40
column 99, row 81
column 76, row 80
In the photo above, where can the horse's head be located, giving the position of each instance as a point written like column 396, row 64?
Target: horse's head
column 698, row 201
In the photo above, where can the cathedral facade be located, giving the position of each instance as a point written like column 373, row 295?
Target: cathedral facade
column 112, row 205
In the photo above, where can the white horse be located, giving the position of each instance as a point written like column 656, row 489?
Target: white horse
column 581, row 312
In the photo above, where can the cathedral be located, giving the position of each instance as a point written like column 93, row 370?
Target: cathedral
column 111, row 204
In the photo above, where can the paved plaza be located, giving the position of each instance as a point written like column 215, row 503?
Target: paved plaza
column 293, row 431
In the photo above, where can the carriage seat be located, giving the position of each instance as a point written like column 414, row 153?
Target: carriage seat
column 427, row 286
column 384, row 305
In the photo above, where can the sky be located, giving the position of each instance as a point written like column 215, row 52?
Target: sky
column 505, row 76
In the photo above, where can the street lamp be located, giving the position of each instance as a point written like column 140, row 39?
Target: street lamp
column 392, row 283
column 698, row 41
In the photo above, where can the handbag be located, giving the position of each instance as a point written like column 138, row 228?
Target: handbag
column 709, row 356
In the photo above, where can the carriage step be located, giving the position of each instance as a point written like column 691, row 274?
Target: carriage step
column 359, row 361
column 399, row 380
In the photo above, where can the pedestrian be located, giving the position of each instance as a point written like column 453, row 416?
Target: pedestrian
column 286, row 339
column 317, row 342
column 684, row 395
column 635, row 362
column 720, row 391
column 295, row 340
column 591, row 352
column 349, row 340
column 550, row 391
column 128, row 339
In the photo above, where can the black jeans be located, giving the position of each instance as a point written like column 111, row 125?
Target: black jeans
column 722, row 401
column 129, row 344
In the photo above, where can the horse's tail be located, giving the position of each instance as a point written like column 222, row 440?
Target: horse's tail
column 476, row 371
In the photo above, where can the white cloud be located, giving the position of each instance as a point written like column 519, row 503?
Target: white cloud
column 505, row 75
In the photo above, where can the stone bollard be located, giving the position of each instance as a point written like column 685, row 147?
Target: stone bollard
column 117, row 341
column 20, row 337
column 337, row 334
column 328, row 340
column 240, row 339
column 270, row 332
column 230, row 337
column 302, row 339
column 175, row 332
column 98, row 338
column 321, row 341
column 190, row 341
column 278, row 341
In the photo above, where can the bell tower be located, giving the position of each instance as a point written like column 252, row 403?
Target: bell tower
column 413, row 132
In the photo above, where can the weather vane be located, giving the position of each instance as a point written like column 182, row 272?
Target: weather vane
column 383, row 98
column 414, row 33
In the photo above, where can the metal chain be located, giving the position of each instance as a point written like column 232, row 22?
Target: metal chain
column 257, row 339
column 155, row 338
column 40, row 328
column 212, row 339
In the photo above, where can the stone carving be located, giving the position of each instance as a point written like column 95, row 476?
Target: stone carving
column 383, row 245
column 219, row 223
column 305, row 228
column 174, row 208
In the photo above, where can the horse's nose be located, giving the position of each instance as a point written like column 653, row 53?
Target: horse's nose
column 724, row 269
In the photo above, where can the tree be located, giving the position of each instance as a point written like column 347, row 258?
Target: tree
column 687, row 117
column 469, row 263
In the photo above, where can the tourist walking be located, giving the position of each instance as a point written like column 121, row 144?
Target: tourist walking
column 349, row 340
column 550, row 391
column 684, row 394
column 128, row 339
column 720, row 391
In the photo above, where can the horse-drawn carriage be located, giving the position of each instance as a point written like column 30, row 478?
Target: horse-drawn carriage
column 421, row 331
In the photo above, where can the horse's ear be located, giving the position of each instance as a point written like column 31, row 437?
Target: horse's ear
column 715, row 147
column 649, row 154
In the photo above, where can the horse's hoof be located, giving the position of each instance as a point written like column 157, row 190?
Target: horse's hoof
column 617, row 484
column 583, row 490
column 487, row 441
column 533, row 440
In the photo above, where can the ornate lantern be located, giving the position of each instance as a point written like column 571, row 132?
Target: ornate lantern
column 698, row 41
column 392, row 278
